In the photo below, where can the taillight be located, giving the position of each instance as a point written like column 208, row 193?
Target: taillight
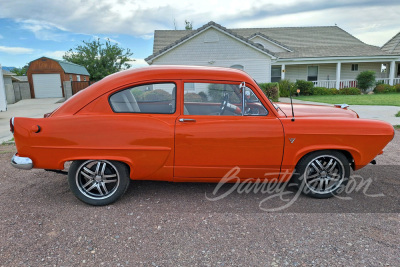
column 12, row 125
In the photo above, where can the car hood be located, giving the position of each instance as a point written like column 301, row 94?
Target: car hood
column 305, row 110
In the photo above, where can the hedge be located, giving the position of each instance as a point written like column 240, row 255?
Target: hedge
column 271, row 90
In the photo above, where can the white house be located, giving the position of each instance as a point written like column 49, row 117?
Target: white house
column 328, row 56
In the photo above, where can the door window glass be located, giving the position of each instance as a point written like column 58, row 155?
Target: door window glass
column 156, row 98
column 220, row 100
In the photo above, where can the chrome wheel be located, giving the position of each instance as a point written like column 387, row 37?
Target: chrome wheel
column 97, row 179
column 324, row 174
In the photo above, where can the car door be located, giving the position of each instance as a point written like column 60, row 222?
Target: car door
column 216, row 133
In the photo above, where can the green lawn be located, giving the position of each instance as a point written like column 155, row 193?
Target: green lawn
column 375, row 99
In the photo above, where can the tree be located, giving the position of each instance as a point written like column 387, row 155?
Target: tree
column 20, row 71
column 100, row 59
column 365, row 80
column 188, row 25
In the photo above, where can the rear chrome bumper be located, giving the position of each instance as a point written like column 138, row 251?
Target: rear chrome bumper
column 22, row 163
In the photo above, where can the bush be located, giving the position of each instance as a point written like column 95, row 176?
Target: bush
column 284, row 88
column 156, row 95
column 304, row 86
column 384, row 89
column 323, row 91
column 193, row 97
column 350, row 91
column 366, row 79
column 271, row 90
column 203, row 96
column 397, row 87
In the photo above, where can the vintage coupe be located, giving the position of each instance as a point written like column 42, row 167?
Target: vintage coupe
column 193, row 124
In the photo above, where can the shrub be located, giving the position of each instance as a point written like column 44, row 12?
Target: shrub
column 366, row 79
column 284, row 88
column 193, row 97
column 350, row 91
column 397, row 87
column 271, row 90
column 324, row 91
column 397, row 114
column 156, row 95
column 384, row 88
column 203, row 96
column 304, row 86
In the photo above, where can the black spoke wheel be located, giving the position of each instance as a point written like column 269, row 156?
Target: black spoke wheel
column 322, row 174
column 98, row 182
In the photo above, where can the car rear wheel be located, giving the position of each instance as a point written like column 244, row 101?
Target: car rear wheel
column 322, row 174
column 98, row 182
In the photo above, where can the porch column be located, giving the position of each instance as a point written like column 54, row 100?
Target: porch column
column 338, row 70
column 391, row 73
column 283, row 71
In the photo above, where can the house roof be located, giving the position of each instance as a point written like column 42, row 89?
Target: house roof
column 168, row 40
column 393, row 45
column 303, row 42
column 70, row 67
column 20, row 78
column 7, row 73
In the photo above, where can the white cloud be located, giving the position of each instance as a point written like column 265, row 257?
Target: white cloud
column 52, row 20
column 16, row 50
column 138, row 63
column 55, row 54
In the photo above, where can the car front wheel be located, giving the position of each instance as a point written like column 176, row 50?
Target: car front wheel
column 322, row 174
column 98, row 182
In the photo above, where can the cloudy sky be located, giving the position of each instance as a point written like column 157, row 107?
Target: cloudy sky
column 31, row 29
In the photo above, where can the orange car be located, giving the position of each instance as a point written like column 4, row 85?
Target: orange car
column 193, row 124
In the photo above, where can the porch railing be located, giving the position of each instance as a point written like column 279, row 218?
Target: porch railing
column 325, row 83
column 383, row 80
column 350, row 83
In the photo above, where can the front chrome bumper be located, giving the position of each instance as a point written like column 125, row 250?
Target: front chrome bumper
column 22, row 163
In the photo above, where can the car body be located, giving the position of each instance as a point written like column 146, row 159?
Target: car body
column 191, row 124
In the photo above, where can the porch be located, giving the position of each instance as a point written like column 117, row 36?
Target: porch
column 338, row 75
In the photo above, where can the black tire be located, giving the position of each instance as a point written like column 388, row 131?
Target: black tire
column 322, row 174
column 98, row 182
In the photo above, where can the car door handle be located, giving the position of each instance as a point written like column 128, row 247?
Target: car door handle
column 187, row 120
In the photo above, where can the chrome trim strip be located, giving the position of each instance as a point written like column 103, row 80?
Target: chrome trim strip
column 22, row 163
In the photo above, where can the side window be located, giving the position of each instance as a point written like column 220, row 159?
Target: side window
column 253, row 105
column 158, row 98
column 212, row 99
column 220, row 100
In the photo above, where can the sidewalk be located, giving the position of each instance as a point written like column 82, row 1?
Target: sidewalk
column 383, row 113
column 31, row 108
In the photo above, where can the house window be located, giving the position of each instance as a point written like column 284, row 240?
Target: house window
column 70, row 77
column 312, row 73
column 276, row 74
column 239, row 67
column 78, row 78
column 354, row 67
column 84, row 78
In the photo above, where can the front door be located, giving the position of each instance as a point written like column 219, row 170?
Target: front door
column 215, row 134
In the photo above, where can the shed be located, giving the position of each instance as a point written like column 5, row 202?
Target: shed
column 46, row 76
